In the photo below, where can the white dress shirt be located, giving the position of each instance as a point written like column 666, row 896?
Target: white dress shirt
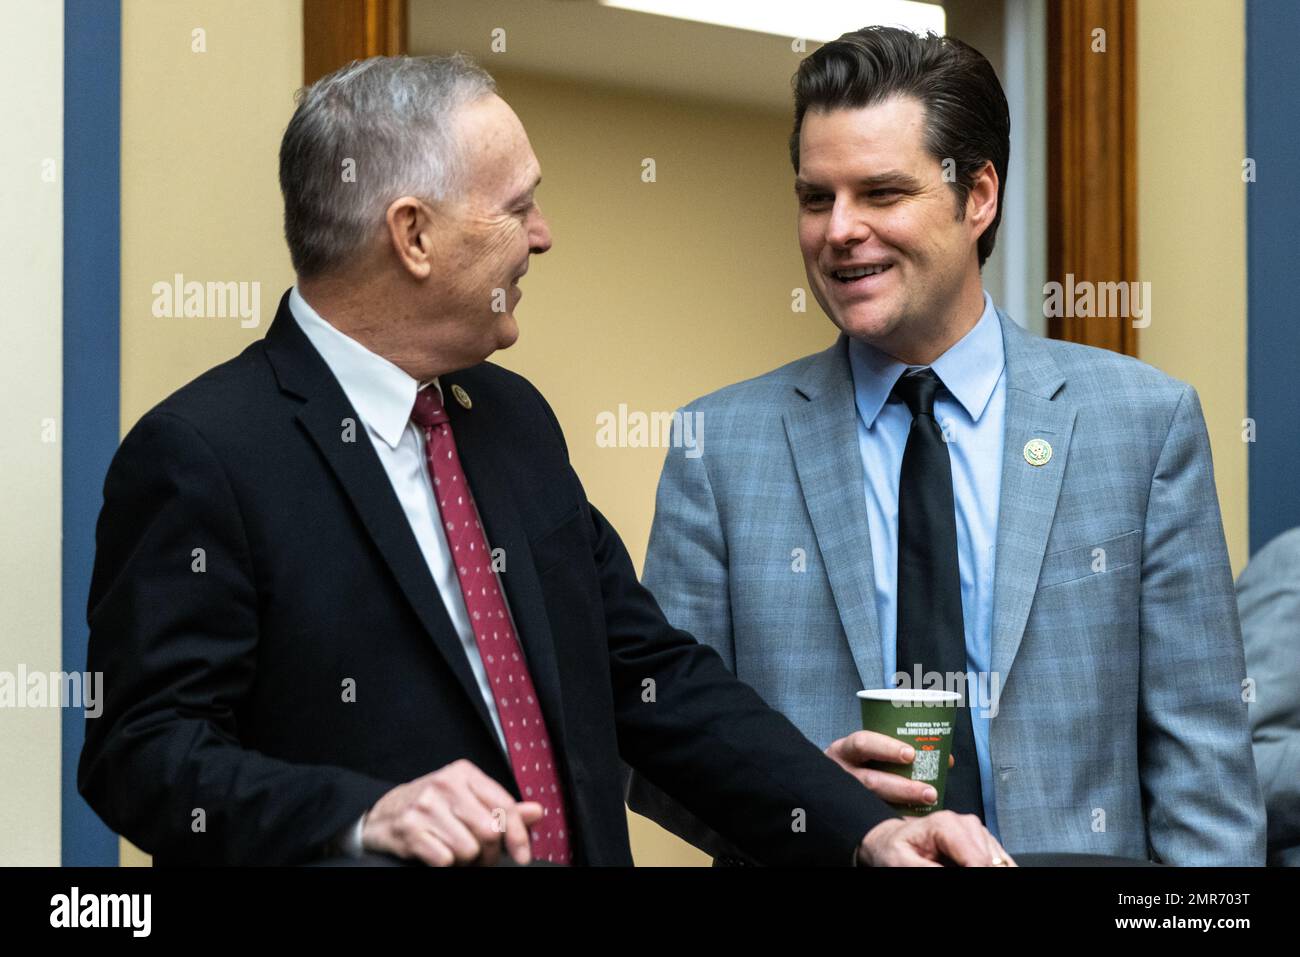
column 383, row 397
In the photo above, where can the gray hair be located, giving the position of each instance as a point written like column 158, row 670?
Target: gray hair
column 363, row 136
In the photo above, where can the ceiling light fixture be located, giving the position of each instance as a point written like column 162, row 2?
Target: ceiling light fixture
column 818, row 20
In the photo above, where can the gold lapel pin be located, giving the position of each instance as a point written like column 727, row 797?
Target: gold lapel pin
column 463, row 398
column 1038, row 452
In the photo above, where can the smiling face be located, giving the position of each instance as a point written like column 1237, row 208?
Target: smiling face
column 887, row 257
column 479, row 239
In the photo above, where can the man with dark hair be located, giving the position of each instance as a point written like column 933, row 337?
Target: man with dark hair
column 943, row 500
column 334, row 613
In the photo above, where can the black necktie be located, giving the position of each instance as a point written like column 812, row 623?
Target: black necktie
column 930, row 630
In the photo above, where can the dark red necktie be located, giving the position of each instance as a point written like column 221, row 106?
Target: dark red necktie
column 531, row 754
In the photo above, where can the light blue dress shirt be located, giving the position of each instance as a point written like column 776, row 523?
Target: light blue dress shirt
column 970, row 410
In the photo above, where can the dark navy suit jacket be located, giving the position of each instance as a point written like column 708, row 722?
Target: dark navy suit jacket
column 227, row 736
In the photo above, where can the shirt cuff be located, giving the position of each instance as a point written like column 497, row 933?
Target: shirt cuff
column 349, row 843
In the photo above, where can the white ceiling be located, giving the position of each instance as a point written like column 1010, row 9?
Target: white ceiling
column 583, row 41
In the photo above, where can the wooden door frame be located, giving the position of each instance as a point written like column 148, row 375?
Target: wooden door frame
column 1092, row 159
column 336, row 32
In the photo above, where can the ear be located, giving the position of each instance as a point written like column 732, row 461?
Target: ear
column 982, row 198
column 409, row 221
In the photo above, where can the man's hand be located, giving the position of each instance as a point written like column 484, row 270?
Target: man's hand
column 932, row 841
column 852, row 753
column 454, row 815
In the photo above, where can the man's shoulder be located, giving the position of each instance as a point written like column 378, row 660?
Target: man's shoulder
column 498, row 379
column 769, row 389
column 1117, row 398
column 1276, row 565
column 1101, row 375
column 237, row 395
column 516, row 403
column 229, row 396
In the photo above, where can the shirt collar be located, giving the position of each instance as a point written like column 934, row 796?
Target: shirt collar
column 380, row 392
column 970, row 369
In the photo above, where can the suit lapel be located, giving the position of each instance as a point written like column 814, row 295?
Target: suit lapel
column 1029, row 493
column 301, row 371
column 821, row 427
column 486, row 471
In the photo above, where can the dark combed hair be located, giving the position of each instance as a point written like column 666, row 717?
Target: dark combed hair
column 966, row 115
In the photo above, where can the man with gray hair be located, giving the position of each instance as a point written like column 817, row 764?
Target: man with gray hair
column 349, row 595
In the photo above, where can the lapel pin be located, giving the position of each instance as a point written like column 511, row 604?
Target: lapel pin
column 1037, row 452
column 463, row 398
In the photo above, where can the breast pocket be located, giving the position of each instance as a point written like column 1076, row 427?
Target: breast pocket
column 1084, row 561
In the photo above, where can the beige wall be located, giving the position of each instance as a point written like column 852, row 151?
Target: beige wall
column 1192, row 221
column 200, row 194
column 31, row 386
column 654, row 293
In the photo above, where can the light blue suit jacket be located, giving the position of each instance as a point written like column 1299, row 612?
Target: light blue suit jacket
column 1121, row 727
column 1268, row 597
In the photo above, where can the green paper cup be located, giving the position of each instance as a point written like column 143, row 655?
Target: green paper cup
column 923, row 718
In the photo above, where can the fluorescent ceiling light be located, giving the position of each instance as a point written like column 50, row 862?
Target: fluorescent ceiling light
column 819, row 20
